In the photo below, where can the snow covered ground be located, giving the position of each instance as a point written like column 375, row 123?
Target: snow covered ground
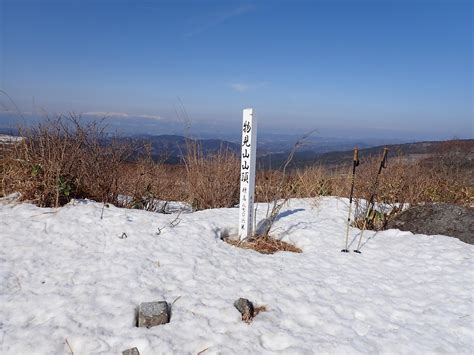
column 67, row 274
column 5, row 138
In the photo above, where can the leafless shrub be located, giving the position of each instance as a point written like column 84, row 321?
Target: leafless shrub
column 148, row 183
column 212, row 180
column 66, row 158
column 63, row 158
column 284, row 189
column 271, row 183
column 316, row 181
column 408, row 183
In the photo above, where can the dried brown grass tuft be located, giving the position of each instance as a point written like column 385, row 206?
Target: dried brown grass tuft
column 147, row 182
column 264, row 245
column 259, row 309
column 248, row 318
column 212, row 181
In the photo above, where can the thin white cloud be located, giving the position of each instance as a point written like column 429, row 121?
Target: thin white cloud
column 10, row 111
column 122, row 115
column 244, row 87
column 151, row 117
column 239, row 87
column 220, row 19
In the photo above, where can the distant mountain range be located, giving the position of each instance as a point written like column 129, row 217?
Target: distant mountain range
column 272, row 153
column 410, row 151
column 170, row 148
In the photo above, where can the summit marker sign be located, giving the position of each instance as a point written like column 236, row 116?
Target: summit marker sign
column 247, row 173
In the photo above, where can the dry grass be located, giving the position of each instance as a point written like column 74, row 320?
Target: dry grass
column 264, row 245
column 417, row 182
column 259, row 309
column 405, row 183
column 65, row 158
column 248, row 318
column 147, row 182
column 212, row 181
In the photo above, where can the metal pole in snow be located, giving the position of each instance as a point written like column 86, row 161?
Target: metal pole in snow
column 355, row 163
column 247, row 173
column 371, row 203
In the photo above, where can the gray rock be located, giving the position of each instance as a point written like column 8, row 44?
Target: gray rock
column 132, row 351
column 153, row 313
column 433, row 219
column 245, row 307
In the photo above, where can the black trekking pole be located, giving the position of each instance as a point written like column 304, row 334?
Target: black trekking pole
column 371, row 203
column 355, row 162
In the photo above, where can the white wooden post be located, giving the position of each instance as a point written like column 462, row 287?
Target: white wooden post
column 247, row 173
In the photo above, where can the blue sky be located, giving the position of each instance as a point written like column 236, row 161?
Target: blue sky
column 362, row 68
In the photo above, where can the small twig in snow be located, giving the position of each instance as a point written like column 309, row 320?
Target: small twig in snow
column 102, row 212
column 177, row 298
column 69, row 346
column 177, row 220
column 18, row 282
column 171, row 224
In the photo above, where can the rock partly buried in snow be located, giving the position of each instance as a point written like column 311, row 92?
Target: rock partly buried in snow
column 153, row 313
column 245, row 307
column 431, row 219
column 132, row 351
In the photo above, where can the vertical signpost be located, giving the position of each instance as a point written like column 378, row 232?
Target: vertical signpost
column 247, row 173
